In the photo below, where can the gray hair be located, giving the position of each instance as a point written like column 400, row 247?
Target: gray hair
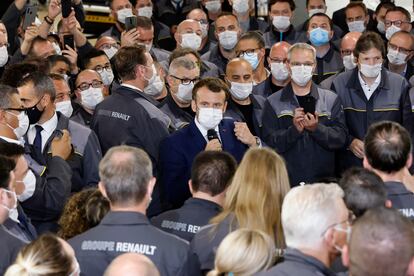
column 42, row 84
column 301, row 46
column 181, row 62
column 125, row 172
column 6, row 92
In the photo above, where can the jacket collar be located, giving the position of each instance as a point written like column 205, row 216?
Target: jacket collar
column 294, row 255
column 354, row 83
column 125, row 218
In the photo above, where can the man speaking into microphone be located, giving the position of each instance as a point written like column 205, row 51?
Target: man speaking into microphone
column 208, row 131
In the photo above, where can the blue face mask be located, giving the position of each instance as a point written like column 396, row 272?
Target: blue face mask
column 252, row 59
column 319, row 37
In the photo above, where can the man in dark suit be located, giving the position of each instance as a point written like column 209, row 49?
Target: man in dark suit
column 209, row 131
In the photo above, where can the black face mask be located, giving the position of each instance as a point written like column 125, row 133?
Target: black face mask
column 34, row 113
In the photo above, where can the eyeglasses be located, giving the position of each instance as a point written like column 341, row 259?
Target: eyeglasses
column 399, row 49
column 85, row 86
column 278, row 60
column 349, row 221
column 186, row 81
column 248, row 52
column 100, row 69
column 346, row 52
column 108, row 46
column 396, row 23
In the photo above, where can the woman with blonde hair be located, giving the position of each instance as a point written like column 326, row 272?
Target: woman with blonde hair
column 253, row 201
column 46, row 256
column 244, row 252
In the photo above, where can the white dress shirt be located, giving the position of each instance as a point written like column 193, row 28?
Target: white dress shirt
column 204, row 131
column 369, row 90
column 48, row 128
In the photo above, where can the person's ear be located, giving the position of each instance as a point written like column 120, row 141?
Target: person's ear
column 3, row 116
column 190, row 186
column 409, row 161
column 177, row 37
column 170, row 81
column 366, row 20
column 331, row 34
column 101, row 188
column 151, row 185
column 329, row 238
column 366, row 164
column 410, row 270
column 225, row 106
column 388, row 203
column 193, row 105
column 345, row 256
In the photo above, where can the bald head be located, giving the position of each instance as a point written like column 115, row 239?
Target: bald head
column 189, row 26
column 131, row 264
column 349, row 41
column 279, row 49
column 239, row 70
column 197, row 14
column 104, row 41
column 87, row 75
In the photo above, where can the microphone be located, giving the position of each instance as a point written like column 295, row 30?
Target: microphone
column 212, row 134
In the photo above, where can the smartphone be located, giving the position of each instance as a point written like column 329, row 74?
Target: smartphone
column 130, row 23
column 29, row 16
column 68, row 40
column 66, row 8
column 309, row 105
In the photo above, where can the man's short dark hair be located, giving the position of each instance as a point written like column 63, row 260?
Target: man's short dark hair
column 363, row 190
column 14, row 73
column 53, row 59
column 307, row 3
column 6, row 166
column 215, row 85
column 144, row 23
column 381, row 243
column 320, row 14
column 212, row 171
column 358, row 4
column 385, row 4
column 11, row 150
column 254, row 35
column 401, row 10
column 42, row 84
column 37, row 39
column 291, row 3
column 180, row 52
column 93, row 53
column 368, row 41
column 222, row 14
column 127, row 59
column 6, row 92
column 387, row 146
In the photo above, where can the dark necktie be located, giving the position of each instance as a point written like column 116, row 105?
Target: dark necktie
column 37, row 143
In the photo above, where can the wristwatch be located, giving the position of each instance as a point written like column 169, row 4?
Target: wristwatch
column 258, row 142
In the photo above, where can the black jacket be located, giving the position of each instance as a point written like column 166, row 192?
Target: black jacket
column 10, row 248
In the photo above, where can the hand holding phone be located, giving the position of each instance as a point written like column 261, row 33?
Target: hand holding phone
column 130, row 23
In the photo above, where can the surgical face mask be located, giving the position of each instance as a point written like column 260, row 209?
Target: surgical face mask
column 241, row 6
column 153, row 75
column 356, row 26
column 191, row 40
column 91, row 97
column 4, row 56
column 147, row 46
column 209, row 117
column 371, row 71
column 29, row 182
column 301, row 74
column 228, row 39
column 65, row 108
column 184, row 93
column 279, row 71
column 57, row 48
column 23, row 125
column 391, row 30
column 213, row 6
column 253, row 59
column 111, row 51
column 8, row 208
column 34, row 113
column 123, row 14
column 204, row 30
column 155, row 88
column 107, row 76
column 381, row 27
column 396, row 57
column 319, row 37
column 349, row 62
column 281, row 22
column 315, row 11
column 145, row 11
column 240, row 91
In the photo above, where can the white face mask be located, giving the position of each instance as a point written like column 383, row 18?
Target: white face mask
column 155, row 89
column 391, row 30
column 209, row 118
column 381, row 27
column 279, row 71
column 29, row 186
column 65, row 108
column 191, row 40
column 4, row 56
column 395, row 57
column 204, row 30
column 241, row 6
column 21, row 130
column 315, row 11
column 281, row 22
column 213, row 6
column 356, row 26
column 185, row 92
column 145, row 11
column 107, row 76
column 349, row 62
column 57, row 48
column 12, row 208
column 91, row 97
column 302, row 74
column 123, row 14
column 241, row 91
column 147, row 46
column 153, row 75
column 371, row 71
column 111, row 51
column 228, row 39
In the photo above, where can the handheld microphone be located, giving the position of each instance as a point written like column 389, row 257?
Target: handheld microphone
column 212, row 134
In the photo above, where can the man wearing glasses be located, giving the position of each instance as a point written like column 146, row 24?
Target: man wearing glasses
column 304, row 120
column 397, row 19
column 400, row 51
column 183, row 73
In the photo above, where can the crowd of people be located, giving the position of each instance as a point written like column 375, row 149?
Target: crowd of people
column 195, row 138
